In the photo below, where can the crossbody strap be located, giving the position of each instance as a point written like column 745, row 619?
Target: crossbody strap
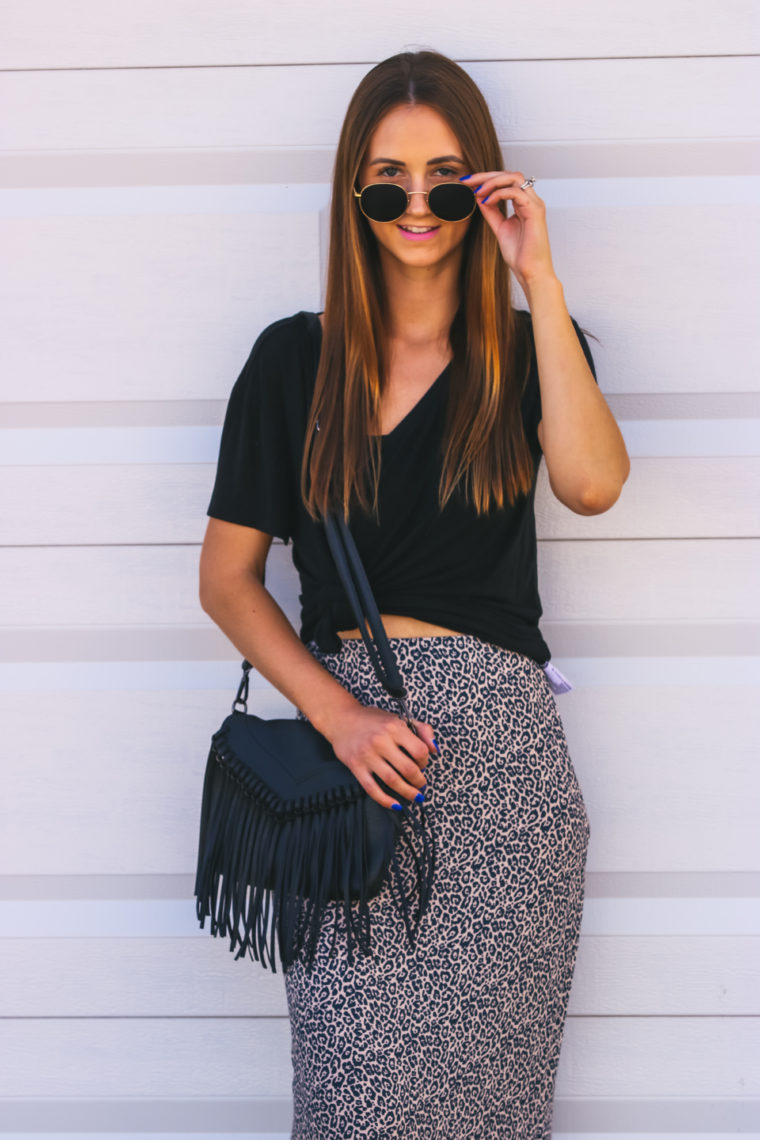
column 356, row 584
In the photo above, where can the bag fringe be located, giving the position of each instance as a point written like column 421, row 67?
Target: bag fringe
column 264, row 876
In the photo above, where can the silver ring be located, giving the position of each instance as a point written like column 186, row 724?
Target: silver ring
column 528, row 182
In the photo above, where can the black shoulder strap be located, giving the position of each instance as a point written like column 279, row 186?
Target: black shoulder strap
column 356, row 584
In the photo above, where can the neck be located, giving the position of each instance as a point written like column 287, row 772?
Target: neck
column 421, row 302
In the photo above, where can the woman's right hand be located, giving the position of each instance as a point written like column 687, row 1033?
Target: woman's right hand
column 374, row 742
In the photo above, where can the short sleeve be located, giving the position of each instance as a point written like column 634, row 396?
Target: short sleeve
column 255, row 483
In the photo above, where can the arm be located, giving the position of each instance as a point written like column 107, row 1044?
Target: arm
column 585, row 454
column 586, row 458
column 366, row 739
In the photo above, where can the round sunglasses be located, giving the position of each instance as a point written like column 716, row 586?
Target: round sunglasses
column 387, row 201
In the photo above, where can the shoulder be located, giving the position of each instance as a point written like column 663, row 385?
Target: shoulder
column 287, row 338
column 282, row 362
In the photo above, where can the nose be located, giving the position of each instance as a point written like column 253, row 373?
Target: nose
column 417, row 204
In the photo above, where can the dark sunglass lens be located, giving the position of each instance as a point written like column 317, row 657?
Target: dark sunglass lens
column 383, row 203
column 452, row 201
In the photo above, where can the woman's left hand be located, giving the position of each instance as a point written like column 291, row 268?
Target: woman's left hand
column 523, row 237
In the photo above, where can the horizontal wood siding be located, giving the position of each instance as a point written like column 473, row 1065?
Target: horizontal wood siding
column 163, row 197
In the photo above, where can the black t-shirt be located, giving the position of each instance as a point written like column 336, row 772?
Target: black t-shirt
column 474, row 575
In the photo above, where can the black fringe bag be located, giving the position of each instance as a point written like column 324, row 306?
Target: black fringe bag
column 286, row 827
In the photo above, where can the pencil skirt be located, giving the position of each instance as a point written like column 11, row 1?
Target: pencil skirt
column 459, row 1036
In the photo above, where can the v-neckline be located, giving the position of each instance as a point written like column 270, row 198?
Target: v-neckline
column 414, row 408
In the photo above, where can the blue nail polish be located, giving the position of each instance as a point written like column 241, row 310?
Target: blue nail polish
column 486, row 198
column 465, row 177
column 397, row 807
column 435, row 745
column 419, row 798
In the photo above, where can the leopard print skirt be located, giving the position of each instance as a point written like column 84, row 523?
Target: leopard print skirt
column 458, row 1037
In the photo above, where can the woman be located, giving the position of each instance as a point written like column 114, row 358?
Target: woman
column 420, row 401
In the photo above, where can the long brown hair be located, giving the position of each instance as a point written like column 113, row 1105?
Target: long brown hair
column 484, row 444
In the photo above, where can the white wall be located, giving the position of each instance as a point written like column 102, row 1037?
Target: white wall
column 162, row 199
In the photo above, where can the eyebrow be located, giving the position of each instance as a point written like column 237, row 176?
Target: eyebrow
column 432, row 161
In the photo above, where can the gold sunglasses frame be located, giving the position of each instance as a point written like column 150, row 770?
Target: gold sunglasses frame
column 450, row 182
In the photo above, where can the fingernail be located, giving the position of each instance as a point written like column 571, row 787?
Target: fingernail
column 486, row 198
column 397, row 807
column 465, row 177
column 419, row 798
column 435, row 745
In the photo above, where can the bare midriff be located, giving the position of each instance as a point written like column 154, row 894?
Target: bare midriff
column 397, row 626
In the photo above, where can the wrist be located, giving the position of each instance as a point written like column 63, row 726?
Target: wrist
column 326, row 710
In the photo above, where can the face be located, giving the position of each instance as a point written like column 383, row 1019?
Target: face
column 415, row 147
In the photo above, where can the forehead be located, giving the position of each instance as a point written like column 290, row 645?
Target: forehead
column 412, row 131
